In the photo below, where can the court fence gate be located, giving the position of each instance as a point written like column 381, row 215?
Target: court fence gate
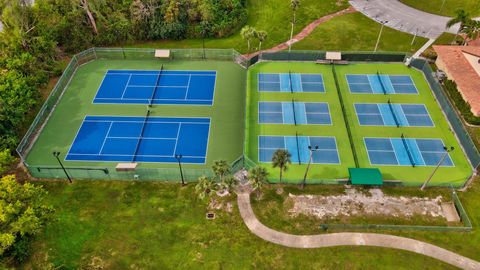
column 192, row 174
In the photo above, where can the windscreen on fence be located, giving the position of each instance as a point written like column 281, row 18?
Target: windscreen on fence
column 452, row 115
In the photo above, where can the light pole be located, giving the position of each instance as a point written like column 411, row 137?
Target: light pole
column 311, row 149
column 56, row 154
column 179, row 157
column 447, row 150
column 414, row 36
column 380, row 35
column 443, row 4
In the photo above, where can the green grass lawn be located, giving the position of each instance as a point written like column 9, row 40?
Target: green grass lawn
column 449, row 8
column 272, row 16
column 270, row 210
column 135, row 225
column 356, row 32
column 456, row 175
column 348, row 32
column 227, row 114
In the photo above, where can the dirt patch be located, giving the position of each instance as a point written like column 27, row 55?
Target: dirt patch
column 357, row 203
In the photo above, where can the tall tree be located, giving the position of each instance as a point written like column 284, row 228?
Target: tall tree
column 461, row 17
column 247, row 34
column 295, row 5
column 281, row 158
column 23, row 213
column 257, row 177
column 91, row 18
column 261, row 36
column 221, row 168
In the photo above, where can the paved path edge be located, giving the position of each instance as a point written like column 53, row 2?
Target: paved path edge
column 345, row 239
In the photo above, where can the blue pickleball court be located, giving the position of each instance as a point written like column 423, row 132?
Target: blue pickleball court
column 327, row 152
column 280, row 82
column 384, row 114
column 381, row 84
column 157, row 87
column 301, row 113
column 137, row 139
column 406, row 152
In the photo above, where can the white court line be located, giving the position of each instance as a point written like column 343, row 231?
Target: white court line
column 188, row 87
column 150, row 122
column 105, row 139
column 126, row 86
column 144, row 138
column 176, row 140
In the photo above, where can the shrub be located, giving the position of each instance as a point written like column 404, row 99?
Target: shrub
column 462, row 106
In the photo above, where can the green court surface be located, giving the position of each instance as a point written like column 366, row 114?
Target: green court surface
column 327, row 173
column 227, row 112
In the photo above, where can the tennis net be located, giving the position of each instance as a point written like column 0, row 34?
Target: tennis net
column 290, row 80
column 298, row 149
column 405, row 144
column 393, row 113
column 294, row 116
column 381, row 83
column 150, row 102
column 141, row 136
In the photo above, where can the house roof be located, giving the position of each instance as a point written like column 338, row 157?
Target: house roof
column 462, row 64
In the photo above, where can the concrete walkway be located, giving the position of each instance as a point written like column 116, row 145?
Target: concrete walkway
column 404, row 18
column 304, row 33
column 345, row 239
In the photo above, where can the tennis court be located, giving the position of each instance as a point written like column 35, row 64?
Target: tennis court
column 388, row 114
column 297, row 146
column 299, row 113
column 406, row 152
column 141, row 139
column 157, row 87
column 290, row 82
column 381, row 84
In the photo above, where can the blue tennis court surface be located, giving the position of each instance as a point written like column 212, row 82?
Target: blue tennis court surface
column 381, row 84
column 312, row 113
column 327, row 148
column 280, row 82
column 381, row 114
column 161, row 87
column 395, row 151
column 120, row 138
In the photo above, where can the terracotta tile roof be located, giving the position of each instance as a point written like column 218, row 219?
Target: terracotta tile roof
column 461, row 71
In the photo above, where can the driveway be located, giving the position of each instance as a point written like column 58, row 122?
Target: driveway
column 404, row 18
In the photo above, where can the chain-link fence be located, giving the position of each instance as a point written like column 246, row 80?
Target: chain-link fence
column 453, row 117
column 110, row 172
column 320, row 55
column 216, row 55
column 465, row 225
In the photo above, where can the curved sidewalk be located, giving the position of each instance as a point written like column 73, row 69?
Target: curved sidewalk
column 345, row 239
column 404, row 18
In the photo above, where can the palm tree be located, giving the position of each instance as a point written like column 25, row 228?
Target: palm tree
column 247, row 34
column 471, row 29
column 461, row 17
column 228, row 183
column 281, row 159
column 294, row 4
column 257, row 177
column 221, row 168
column 261, row 36
column 204, row 187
